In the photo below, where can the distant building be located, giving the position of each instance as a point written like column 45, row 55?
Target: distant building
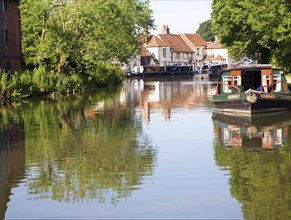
column 177, row 49
column 198, row 45
column 160, row 51
column 217, row 54
column 181, row 49
column 147, row 58
column 10, row 36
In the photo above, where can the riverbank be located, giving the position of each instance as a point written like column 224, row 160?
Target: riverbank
column 44, row 83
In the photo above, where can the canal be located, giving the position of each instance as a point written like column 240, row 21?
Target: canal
column 151, row 149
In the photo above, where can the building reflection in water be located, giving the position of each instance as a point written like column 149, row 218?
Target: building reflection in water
column 161, row 95
column 12, row 161
column 256, row 133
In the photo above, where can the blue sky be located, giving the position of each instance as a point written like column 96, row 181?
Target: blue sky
column 182, row 16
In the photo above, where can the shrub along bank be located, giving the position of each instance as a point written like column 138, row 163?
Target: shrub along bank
column 44, row 83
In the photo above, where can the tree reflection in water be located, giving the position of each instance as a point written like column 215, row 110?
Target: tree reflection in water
column 84, row 148
column 259, row 163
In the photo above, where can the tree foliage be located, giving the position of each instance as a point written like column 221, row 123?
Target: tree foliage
column 255, row 28
column 77, row 35
column 205, row 31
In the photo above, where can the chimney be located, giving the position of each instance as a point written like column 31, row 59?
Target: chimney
column 165, row 29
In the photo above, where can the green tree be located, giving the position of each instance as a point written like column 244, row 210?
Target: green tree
column 252, row 28
column 205, row 31
column 78, row 35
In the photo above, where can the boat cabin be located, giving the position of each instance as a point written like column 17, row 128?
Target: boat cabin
column 256, row 78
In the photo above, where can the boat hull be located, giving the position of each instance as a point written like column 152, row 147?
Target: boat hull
column 250, row 103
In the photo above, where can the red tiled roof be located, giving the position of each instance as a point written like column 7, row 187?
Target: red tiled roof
column 144, row 52
column 176, row 42
column 215, row 45
column 211, row 58
column 196, row 39
column 219, row 57
column 156, row 42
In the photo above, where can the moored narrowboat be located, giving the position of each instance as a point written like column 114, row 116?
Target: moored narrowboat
column 168, row 70
column 251, row 89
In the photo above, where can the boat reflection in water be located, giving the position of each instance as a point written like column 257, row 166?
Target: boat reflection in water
column 256, row 155
column 260, row 132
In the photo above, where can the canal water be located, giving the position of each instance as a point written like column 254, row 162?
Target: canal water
column 151, row 149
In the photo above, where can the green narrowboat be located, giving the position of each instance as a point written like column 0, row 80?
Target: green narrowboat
column 251, row 89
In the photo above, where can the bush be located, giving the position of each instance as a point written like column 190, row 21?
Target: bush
column 44, row 82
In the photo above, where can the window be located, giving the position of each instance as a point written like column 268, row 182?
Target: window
column 178, row 56
column 6, row 36
column 226, row 84
column 267, row 77
column 236, row 80
column 189, row 57
column 268, row 80
column 175, row 56
column 164, row 53
column 198, row 49
column 277, row 83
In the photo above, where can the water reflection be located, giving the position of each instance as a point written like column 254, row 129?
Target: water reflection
column 257, row 153
column 12, row 161
column 166, row 95
column 91, row 146
column 257, row 133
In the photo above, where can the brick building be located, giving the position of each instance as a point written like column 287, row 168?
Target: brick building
column 10, row 36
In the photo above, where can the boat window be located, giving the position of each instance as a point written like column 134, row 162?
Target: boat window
column 236, row 80
column 266, row 80
column 226, row 84
column 277, row 83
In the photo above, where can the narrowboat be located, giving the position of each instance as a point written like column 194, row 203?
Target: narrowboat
column 251, row 89
column 169, row 70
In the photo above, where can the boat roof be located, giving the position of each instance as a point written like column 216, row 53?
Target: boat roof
column 251, row 67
